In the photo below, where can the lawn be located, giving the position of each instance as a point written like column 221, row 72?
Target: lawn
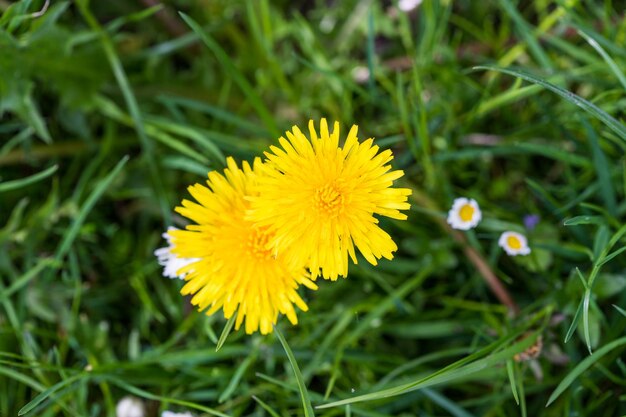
column 111, row 110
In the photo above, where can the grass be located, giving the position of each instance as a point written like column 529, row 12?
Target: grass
column 109, row 110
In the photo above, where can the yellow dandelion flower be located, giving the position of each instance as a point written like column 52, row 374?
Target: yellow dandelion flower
column 236, row 271
column 320, row 200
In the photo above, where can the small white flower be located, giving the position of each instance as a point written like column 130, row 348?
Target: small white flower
column 168, row 413
column 514, row 243
column 130, row 407
column 360, row 74
column 408, row 5
column 464, row 214
column 171, row 263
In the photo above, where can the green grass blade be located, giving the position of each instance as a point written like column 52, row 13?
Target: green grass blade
column 265, row 406
column 21, row 378
column 453, row 408
column 234, row 381
column 510, row 96
column 621, row 310
column 231, row 69
column 226, row 331
column 457, row 370
column 522, row 394
column 510, row 370
column 304, row 394
column 371, row 52
column 586, row 105
column 48, row 392
column 214, row 111
column 575, row 221
column 542, row 195
column 150, row 396
column 133, row 106
column 583, row 366
column 586, row 300
column 26, row 278
column 95, row 195
column 522, row 148
column 616, row 237
column 190, row 133
column 110, row 109
column 23, row 182
column 600, row 242
column 610, row 257
column 607, row 58
column 582, row 279
column 602, row 167
column 525, row 31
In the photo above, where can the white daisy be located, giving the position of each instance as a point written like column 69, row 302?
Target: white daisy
column 464, row 214
column 514, row 243
column 130, row 407
column 172, row 263
column 173, row 414
column 408, row 5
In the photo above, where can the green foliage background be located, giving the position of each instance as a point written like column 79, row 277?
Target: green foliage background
column 108, row 110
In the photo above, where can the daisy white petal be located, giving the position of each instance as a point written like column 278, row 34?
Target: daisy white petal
column 514, row 243
column 130, row 407
column 172, row 263
column 408, row 5
column 464, row 214
column 168, row 413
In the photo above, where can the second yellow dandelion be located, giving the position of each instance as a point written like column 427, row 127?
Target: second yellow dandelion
column 320, row 200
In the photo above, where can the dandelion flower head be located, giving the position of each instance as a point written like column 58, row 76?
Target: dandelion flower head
column 236, row 271
column 514, row 243
column 464, row 214
column 320, row 200
column 171, row 263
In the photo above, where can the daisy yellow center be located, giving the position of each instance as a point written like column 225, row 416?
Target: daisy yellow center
column 257, row 244
column 466, row 213
column 513, row 242
column 329, row 200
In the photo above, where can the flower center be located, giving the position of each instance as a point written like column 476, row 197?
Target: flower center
column 513, row 242
column 257, row 244
column 466, row 213
column 328, row 200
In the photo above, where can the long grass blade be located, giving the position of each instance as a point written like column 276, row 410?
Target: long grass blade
column 602, row 167
column 583, row 366
column 621, row 310
column 510, row 370
column 607, row 58
column 457, row 370
column 226, row 331
column 233, row 71
column 23, row 182
column 150, row 396
column 132, row 104
column 304, row 393
column 26, row 278
column 48, row 392
column 586, row 300
column 95, row 195
column 586, row 105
